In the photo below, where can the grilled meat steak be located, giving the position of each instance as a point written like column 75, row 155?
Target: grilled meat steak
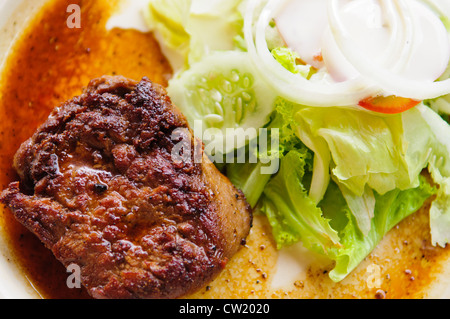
column 100, row 188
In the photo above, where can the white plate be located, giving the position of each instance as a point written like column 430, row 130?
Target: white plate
column 14, row 15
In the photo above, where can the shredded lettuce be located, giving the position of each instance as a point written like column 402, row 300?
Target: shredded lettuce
column 360, row 221
column 248, row 176
column 376, row 153
column 289, row 60
column 180, row 25
column 292, row 213
column 391, row 208
column 330, row 228
column 428, row 136
column 366, row 149
column 361, row 213
column 362, row 207
column 168, row 21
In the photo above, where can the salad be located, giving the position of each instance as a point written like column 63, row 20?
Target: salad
column 356, row 95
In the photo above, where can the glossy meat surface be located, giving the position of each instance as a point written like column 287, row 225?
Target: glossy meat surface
column 100, row 188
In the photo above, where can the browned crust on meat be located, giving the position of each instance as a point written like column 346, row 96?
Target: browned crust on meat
column 100, row 189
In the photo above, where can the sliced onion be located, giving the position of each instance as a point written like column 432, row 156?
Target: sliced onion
column 387, row 80
column 390, row 12
column 396, row 52
column 292, row 86
column 381, row 76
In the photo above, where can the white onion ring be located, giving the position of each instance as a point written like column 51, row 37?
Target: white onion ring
column 375, row 77
column 399, row 35
column 388, row 81
column 291, row 86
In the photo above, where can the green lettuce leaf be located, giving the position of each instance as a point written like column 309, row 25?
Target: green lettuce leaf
column 362, row 207
column 366, row 149
column 249, row 177
column 330, row 228
column 288, row 59
column 168, row 19
column 391, row 208
column 292, row 214
column 382, row 153
column 428, row 136
column 179, row 28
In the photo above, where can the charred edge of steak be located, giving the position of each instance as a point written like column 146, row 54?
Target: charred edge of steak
column 100, row 189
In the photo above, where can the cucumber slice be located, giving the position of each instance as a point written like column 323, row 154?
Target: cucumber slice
column 225, row 93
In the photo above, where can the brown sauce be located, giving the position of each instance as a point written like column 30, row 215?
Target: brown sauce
column 49, row 64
